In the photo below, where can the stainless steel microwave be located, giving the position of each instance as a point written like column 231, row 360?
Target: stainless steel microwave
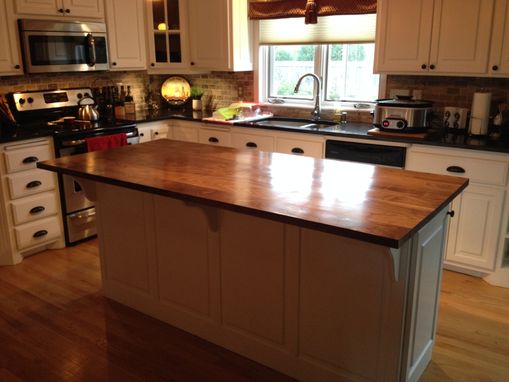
column 63, row 46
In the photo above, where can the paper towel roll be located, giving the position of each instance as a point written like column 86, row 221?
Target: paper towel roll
column 480, row 114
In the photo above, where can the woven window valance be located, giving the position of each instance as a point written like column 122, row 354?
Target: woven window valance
column 309, row 9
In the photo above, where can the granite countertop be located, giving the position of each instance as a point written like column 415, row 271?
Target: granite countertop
column 265, row 184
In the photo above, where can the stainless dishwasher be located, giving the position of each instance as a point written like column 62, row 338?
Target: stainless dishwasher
column 381, row 154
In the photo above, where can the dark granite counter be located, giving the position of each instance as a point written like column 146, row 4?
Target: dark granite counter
column 164, row 113
column 8, row 134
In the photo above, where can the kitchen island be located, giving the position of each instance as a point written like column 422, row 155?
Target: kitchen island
column 324, row 270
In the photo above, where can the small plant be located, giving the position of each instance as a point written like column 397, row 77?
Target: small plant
column 196, row 93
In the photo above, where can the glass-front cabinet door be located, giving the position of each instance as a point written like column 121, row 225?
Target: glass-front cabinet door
column 167, row 31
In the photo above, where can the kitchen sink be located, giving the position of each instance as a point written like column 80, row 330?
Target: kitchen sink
column 293, row 123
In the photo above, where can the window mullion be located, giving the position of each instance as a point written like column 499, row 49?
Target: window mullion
column 319, row 63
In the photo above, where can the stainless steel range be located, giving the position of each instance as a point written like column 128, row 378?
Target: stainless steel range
column 47, row 110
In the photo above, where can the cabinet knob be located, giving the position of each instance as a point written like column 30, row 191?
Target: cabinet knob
column 432, row 67
column 152, row 64
column 424, row 66
column 494, row 67
column 17, row 67
column 67, row 10
column 114, row 63
column 142, row 134
column 297, row 150
column 451, row 213
column 156, row 132
column 192, row 63
column 61, row 10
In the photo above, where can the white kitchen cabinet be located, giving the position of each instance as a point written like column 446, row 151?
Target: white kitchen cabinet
column 71, row 8
column 150, row 131
column 253, row 139
column 125, row 20
column 298, row 144
column 475, row 231
column 10, row 58
column 499, row 56
column 186, row 131
column 30, row 217
column 220, row 35
column 167, row 36
column 437, row 37
column 219, row 136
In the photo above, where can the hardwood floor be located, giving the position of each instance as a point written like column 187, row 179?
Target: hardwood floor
column 56, row 326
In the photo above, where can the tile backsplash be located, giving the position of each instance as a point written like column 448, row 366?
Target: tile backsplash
column 220, row 88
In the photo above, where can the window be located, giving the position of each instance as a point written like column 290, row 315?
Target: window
column 346, row 71
column 339, row 50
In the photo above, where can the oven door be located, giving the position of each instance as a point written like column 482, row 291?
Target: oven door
column 64, row 51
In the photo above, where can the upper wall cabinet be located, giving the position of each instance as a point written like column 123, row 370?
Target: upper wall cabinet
column 10, row 59
column 499, row 57
column 433, row 36
column 72, row 8
column 167, row 35
column 126, row 34
column 220, row 35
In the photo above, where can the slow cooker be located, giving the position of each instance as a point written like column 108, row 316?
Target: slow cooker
column 402, row 114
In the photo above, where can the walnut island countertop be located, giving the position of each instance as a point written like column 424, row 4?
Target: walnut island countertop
column 370, row 203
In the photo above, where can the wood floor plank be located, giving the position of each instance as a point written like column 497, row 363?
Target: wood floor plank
column 56, row 326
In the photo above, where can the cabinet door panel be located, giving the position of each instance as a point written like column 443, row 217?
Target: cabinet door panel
column 10, row 60
column 474, row 229
column 461, row 36
column 208, row 34
column 126, row 34
column 499, row 58
column 84, row 8
column 403, row 35
column 38, row 7
column 299, row 147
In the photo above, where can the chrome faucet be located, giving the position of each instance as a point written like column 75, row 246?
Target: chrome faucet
column 318, row 86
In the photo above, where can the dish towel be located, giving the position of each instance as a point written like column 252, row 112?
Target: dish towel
column 106, row 142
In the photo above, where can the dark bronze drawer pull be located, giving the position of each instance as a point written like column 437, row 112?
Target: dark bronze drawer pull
column 213, row 140
column 297, row 150
column 456, row 169
column 34, row 183
column 251, row 144
column 40, row 233
column 37, row 210
column 30, row 160
column 451, row 213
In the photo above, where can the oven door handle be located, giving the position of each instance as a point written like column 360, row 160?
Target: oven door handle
column 91, row 50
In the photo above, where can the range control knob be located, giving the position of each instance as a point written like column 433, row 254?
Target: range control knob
column 80, row 96
column 30, row 100
column 400, row 124
column 21, row 101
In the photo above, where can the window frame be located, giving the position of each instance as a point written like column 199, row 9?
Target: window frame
column 321, row 62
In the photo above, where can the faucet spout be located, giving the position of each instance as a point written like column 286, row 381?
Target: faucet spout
column 318, row 86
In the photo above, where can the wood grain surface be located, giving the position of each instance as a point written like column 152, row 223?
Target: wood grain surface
column 55, row 325
column 372, row 203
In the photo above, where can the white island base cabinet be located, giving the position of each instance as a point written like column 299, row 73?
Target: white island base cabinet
column 313, row 305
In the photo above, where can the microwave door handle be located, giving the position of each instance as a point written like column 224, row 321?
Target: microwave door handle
column 91, row 50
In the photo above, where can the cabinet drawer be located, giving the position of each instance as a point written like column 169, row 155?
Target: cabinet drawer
column 25, row 158
column 254, row 141
column 186, row 133
column 480, row 170
column 30, row 182
column 34, row 207
column 38, row 232
column 299, row 147
column 215, row 137
column 160, row 132
column 144, row 133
